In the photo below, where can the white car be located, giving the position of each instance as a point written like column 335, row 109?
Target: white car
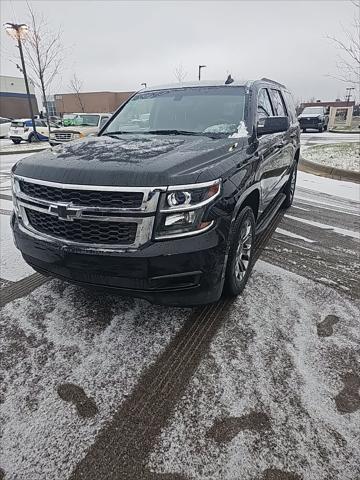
column 22, row 130
column 4, row 127
column 77, row 126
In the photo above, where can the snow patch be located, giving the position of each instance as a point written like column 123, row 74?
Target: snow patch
column 241, row 131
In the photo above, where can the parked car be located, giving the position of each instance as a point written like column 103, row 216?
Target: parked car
column 166, row 209
column 78, row 126
column 4, row 127
column 314, row 118
column 22, row 130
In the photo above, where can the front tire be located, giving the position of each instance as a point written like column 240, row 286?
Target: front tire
column 290, row 186
column 16, row 141
column 321, row 129
column 304, row 130
column 240, row 260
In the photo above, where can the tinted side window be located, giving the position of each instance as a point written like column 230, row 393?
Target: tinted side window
column 290, row 106
column 264, row 107
column 278, row 102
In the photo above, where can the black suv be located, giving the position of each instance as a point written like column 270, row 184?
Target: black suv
column 315, row 118
column 165, row 202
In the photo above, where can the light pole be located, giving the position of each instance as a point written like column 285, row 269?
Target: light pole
column 200, row 67
column 144, row 84
column 18, row 32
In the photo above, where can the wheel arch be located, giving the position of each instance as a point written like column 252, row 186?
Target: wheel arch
column 250, row 198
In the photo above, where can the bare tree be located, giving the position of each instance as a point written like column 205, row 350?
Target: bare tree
column 76, row 86
column 348, row 64
column 180, row 73
column 43, row 54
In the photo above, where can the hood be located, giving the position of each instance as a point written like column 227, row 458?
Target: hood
column 134, row 160
column 76, row 129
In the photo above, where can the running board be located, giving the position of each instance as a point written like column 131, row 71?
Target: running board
column 273, row 208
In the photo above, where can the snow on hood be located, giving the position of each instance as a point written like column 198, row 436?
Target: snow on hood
column 119, row 149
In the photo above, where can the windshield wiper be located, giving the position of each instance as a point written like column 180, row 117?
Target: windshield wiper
column 173, row 132
column 119, row 132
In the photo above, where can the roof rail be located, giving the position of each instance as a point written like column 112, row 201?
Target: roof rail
column 264, row 79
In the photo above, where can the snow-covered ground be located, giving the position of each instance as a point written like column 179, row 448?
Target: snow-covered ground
column 337, row 188
column 316, row 138
column 341, row 155
column 61, row 335
column 270, row 393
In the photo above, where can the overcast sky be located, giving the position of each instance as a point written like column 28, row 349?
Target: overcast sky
column 117, row 45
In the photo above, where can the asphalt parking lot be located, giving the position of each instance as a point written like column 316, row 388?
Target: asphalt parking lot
column 265, row 387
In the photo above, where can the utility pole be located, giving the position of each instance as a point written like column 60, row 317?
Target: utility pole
column 200, row 67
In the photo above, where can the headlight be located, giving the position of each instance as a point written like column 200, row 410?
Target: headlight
column 183, row 208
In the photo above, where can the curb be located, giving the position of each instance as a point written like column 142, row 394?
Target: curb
column 345, row 131
column 12, row 152
column 329, row 172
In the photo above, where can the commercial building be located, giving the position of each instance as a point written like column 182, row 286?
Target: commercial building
column 89, row 101
column 13, row 98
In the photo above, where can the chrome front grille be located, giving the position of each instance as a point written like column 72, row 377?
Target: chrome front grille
column 86, row 216
column 89, row 198
column 83, row 231
column 63, row 136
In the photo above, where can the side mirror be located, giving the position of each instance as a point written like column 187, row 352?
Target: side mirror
column 273, row 125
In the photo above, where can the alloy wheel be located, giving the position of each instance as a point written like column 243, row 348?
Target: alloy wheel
column 243, row 251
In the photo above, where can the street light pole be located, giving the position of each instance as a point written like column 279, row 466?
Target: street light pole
column 200, row 67
column 15, row 31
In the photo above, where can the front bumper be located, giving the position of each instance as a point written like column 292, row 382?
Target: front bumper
column 315, row 125
column 178, row 272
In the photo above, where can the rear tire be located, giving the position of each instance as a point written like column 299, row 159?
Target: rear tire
column 290, row 186
column 304, row 130
column 16, row 141
column 32, row 138
column 240, row 260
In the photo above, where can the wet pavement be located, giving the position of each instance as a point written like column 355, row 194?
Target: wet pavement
column 263, row 387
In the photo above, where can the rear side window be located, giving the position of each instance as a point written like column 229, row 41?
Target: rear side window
column 264, row 107
column 290, row 106
column 278, row 103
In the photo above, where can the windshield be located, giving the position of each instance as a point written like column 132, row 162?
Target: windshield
column 197, row 110
column 313, row 110
column 82, row 120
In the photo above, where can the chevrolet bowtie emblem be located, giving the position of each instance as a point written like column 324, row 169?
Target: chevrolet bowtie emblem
column 64, row 212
